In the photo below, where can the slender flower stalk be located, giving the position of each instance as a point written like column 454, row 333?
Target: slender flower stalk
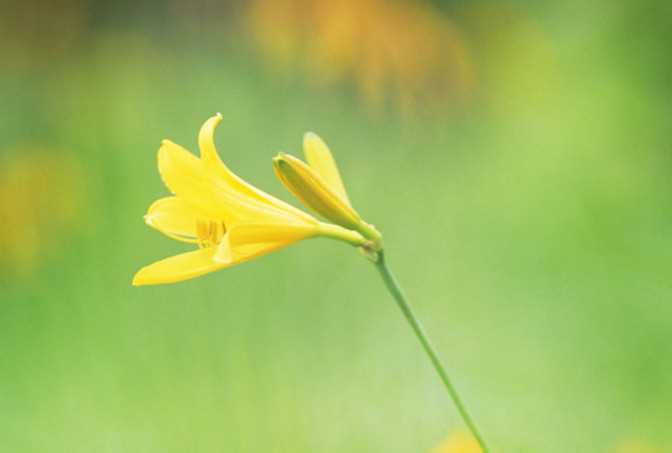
column 399, row 296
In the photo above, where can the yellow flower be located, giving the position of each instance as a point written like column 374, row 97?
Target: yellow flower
column 319, row 186
column 230, row 220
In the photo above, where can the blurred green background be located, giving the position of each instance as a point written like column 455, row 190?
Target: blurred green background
column 516, row 155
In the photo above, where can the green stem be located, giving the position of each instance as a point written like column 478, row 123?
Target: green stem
column 341, row 234
column 400, row 298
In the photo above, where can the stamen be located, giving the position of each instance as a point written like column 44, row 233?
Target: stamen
column 210, row 232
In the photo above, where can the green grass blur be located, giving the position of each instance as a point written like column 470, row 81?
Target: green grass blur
column 531, row 228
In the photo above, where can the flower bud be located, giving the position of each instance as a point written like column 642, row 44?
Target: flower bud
column 314, row 192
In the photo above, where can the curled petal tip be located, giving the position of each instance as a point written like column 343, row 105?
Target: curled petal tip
column 208, row 128
column 206, row 140
column 217, row 119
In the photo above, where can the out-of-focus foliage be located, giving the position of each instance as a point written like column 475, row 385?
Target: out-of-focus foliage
column 525, row 209
column 35, row 32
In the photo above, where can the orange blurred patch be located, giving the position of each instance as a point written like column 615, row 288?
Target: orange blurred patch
column 403, row 52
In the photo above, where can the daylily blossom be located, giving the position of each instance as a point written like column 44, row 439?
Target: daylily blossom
column 228, row 219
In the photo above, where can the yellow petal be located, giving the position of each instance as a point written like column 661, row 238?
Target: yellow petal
column 230, row 256
column 212, row 161
column 313, row 191
column 186, row 176
column 262, row 233
column 255, row 239
column 178, row 268
column 321, row 160
column 175, row 218
column 194, row 264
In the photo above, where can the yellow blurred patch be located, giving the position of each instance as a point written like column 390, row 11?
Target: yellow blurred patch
column 40, row 200
column 458, row 443
column 636, row 446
